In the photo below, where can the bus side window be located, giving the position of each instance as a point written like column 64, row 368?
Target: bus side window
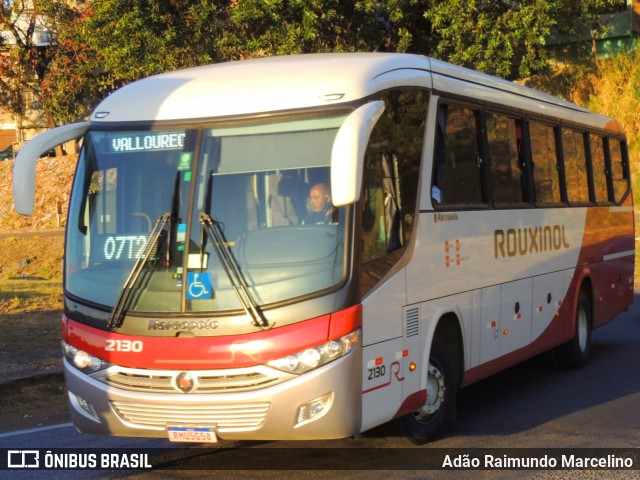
column 599, row 168
column 575, row 166
column 457, row 162
column 619, row 169
column 545, row 164
column 504, row 138
column 390, row 183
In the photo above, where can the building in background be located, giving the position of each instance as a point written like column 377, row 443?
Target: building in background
column 623, row 31
column 16, row 129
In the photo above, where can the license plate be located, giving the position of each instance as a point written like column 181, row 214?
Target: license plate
column 192, row 434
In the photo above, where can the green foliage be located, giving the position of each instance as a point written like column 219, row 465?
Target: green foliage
column 112, row 42
column 278, row 27
column 26, row 63
column 73, row 77
column 138, row 38
column 502, row 38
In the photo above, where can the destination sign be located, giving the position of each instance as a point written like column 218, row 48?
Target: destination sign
column 124, row 247
column 148, row 141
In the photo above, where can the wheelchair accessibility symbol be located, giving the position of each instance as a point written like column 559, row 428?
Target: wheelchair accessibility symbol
column 199, row 286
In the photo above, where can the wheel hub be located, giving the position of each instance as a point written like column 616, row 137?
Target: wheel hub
column 435, row 394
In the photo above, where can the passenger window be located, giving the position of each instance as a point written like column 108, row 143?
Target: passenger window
column 390, row 187
column 599, row 168
column 618, row 169
column 457, row 163
column 575, row 166
column 504, row 137
column 545, row 164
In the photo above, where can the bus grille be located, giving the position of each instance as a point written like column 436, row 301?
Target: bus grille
column 207, row 382
column 225, row 417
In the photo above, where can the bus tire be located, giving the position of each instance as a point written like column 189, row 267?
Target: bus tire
column 575, row 353
column 432, row 419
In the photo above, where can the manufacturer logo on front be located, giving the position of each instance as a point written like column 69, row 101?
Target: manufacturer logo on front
column 185, row 382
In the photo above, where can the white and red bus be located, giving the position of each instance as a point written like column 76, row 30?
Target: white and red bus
column 460, row 224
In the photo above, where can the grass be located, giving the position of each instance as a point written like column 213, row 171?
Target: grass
column 31, row 273
column 25, row 295
column 30, row 305
column 30, row 312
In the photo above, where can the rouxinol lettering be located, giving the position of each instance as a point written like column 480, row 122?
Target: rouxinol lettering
column 526, row 241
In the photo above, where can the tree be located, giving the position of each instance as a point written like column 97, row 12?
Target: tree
column 504, row 38
column 507, row 38
column 138, row 38
column 29, row 40
column 118, row 41
column 278, row 27
column 74, row 79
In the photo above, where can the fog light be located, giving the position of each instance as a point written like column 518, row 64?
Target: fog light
column 83, row 407
column 314, row 409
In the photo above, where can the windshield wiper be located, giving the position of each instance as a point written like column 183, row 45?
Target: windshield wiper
column 117, row 314
column 232, row 269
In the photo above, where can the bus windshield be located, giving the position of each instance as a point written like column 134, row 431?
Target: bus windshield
column 205, row 219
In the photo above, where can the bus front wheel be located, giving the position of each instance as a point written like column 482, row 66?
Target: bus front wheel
column 432, row 419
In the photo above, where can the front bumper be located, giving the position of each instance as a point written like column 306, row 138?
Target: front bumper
column 268, row 413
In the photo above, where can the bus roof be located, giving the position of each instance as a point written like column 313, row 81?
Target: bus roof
column 292, row 82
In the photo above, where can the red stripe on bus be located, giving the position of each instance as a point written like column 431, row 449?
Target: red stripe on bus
column 199, row 353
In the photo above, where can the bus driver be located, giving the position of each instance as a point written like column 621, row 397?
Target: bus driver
column 322, row 210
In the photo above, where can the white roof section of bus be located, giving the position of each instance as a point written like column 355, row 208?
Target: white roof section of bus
column 301, row 81
column 478, row 78
column 260, row 85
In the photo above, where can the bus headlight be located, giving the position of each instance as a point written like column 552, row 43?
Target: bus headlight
column 317, row 356
column 82, row 360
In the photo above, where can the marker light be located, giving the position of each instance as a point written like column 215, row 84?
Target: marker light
column 82, row 360
column 311, row 358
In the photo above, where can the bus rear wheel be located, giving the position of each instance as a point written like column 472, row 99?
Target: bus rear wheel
column 575, row 353
column 432, row 419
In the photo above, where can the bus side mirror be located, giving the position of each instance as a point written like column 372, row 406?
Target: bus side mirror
column 347, row 156
column 24, row 168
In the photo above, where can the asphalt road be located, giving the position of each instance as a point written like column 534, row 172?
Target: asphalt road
column 534, row 405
